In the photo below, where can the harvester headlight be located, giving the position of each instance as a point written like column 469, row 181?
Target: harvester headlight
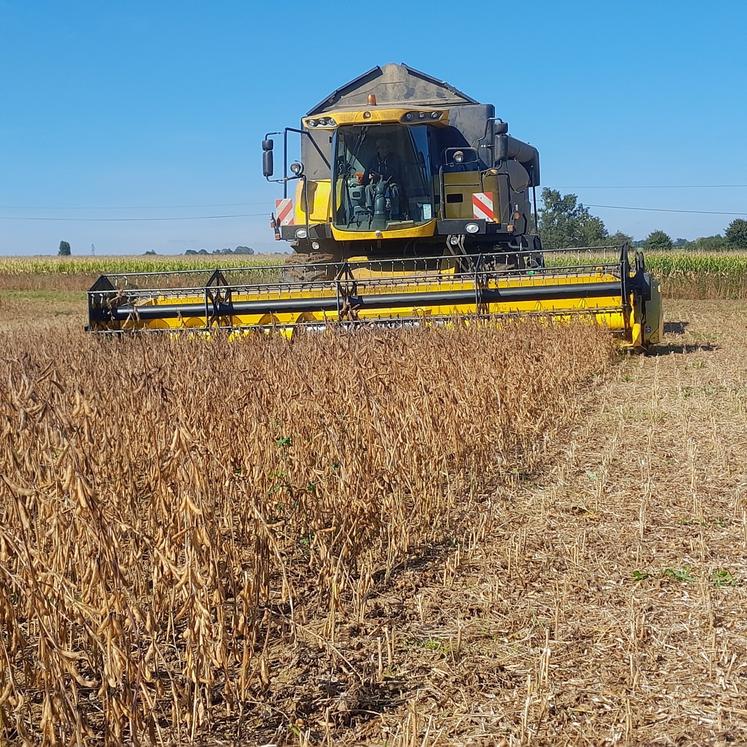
column 458, row 156
column 312, row 122
column 296, row 168
column 366, row 115
column 472, row 228
column 315, row 245
column 435, row 115
column 301, row 233
column 421, row 115
column 409, row 116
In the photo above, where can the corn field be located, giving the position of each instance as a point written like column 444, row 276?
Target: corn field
column 40, row 265
column 79, row 273
column 683, row 274
column 701, row 274
column 696, row 275
column 170, row 508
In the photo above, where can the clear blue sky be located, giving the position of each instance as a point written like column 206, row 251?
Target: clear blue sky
column 114, row 109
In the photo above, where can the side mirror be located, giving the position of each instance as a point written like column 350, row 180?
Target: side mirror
column 501, row 148
column 268, row 165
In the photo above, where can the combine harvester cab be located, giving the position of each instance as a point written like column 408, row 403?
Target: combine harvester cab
column 599, row 284
column 398, row 163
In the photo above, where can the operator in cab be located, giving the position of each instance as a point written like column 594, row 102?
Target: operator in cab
column 383, row 179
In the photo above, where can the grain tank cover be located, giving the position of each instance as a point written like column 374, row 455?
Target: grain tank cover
column 392, row 85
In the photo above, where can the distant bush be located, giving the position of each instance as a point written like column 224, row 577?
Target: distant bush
column 715, row 243
column 658, row 240
column 736, row 234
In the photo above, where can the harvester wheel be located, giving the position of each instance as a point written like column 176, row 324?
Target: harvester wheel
column 304, row 268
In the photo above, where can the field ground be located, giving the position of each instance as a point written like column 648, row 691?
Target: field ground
column 19, row 308
column 600, row 602
column 605, row 601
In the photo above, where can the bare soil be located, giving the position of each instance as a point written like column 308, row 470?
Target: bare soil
column 40, row 308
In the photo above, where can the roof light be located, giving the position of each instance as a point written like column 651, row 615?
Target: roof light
column 366, row 115
column 312, row 122
column 435, row 115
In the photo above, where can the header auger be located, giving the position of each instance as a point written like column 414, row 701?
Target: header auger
column 413, row 205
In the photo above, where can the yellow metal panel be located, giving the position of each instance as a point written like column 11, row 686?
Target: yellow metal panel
column 466, row 183
column 461, row 178
column 374, row 114
column 490, row 184
column 318, row 195
column 654, row 329
column 425, row 229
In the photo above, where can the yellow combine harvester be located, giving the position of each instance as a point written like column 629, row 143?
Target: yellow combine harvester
column 413, row 205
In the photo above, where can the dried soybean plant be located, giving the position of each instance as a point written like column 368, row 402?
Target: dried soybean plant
column 171, row 506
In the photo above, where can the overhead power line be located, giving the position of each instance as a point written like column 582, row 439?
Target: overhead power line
column 132, row 219
column 120, row 220
column 651, row 186
column 664, row 210
column 129, row 207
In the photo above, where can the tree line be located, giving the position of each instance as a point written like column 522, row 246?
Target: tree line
column 565, row 222
column 65, row 250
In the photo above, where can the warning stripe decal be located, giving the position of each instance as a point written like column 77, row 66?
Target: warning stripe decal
column 284, row 211
column 482, row 206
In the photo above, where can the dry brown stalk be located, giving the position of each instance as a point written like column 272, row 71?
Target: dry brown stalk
column 172, row 509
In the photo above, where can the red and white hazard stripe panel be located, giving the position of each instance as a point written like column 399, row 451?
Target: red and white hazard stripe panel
column 284, row 212
column 482, row 206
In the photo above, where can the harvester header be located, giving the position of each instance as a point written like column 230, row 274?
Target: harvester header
column 387, row 292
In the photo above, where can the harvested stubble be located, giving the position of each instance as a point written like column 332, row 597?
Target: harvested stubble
column 169, row 508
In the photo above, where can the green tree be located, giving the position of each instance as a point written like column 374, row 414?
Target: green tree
column 564, row 222
column 708, row 244
column 736, row 234
column 619, row 238
column 658, row 240
column 64, row 250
